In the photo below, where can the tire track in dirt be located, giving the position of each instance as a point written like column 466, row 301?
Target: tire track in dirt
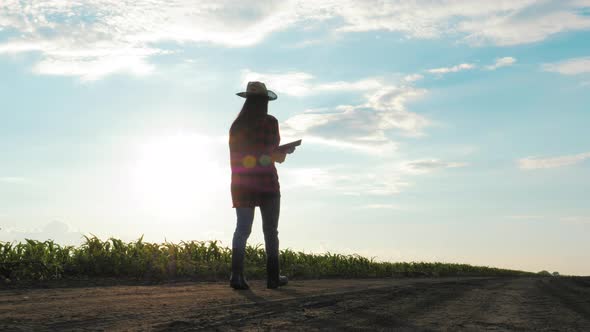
column 571, row 298
column 417, row 304
column 362, row 309
column 403, row 310
column 506, row 304
column 480, row 308
column 139, row 307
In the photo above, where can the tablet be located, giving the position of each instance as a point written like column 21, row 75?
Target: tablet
column 288, row 145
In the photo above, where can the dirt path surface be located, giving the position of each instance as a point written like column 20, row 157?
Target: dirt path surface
column 422, row 304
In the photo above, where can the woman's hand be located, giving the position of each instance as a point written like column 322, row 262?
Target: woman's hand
column 279, row 157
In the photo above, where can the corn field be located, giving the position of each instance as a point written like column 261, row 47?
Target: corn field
column 34, row 260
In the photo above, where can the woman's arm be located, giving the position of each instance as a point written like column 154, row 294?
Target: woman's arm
column 277, row 156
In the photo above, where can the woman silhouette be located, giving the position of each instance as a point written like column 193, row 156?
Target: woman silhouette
column 253, row 141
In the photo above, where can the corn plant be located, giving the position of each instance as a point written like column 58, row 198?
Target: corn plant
column 200, row 260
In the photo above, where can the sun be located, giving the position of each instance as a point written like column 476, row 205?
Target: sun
column 176, row 175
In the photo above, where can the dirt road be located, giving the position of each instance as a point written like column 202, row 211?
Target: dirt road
column 471, row 304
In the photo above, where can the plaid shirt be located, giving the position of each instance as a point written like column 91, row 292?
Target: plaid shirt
column 254, row 174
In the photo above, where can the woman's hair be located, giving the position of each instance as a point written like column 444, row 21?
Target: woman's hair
column 255, row 108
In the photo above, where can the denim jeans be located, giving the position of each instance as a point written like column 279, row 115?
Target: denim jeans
column 269, row 209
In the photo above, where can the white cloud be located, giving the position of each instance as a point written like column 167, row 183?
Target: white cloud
column 380, row 206
column 538, row 163
column 394, row 97
column 62, row 31
column 291, row 83
column 94, row 68
column 95, row 38
column 301, row 84
column 13, row 179
column 382, row 179
column 502, row 62
column 350, row 129
column 362, row 85
column 569, row 67
column 503, row 22
column 89, row 61
column 369, row 144
column 413, row 77
column 531, row 24
column 575, row 220
column 570, row 220
column 422, row 19
column 454, row 69
column 57, row 231
column 20, row 46
column 306, row 177
column 344, row 180
column 526, row 217
column 428, row 165
column 363, row 127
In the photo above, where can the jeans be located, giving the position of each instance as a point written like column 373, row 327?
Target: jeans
column 269, row 209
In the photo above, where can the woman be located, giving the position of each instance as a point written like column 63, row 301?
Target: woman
column 253, row 141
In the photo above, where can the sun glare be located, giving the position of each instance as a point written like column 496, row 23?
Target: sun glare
column 176, row 175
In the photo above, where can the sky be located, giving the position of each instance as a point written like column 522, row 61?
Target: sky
column 453, row 131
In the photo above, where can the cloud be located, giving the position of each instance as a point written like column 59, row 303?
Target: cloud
column 505, row 22
column 362, row 85
column 307, row 177
column 376, row 180
column 345, row 180
column 302, row 84
column 89, row 61
column 94, row 68
column 526, row 217
column 454, row 69
column 539, row 163
column 569, row 67
column 349, row 129
column 532, row 23
column 13, row 179
column 383, row 179
column 413, row 77
column 380, row 207
column 570, row 220
column 428, row 165
column 575, row 220
column 57, row 231
column 379, row 144
column 291, row 83
column 365, row 127
column 95, row 38
column 502, row 62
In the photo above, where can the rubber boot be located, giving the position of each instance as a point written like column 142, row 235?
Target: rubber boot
column 237, row 279
column 274, row 280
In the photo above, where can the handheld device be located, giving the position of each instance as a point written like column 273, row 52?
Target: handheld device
column 288, row 145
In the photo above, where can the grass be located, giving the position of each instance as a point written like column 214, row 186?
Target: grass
column 34, row 260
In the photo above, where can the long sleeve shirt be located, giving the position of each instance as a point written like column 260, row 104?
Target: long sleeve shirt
column 252, row 151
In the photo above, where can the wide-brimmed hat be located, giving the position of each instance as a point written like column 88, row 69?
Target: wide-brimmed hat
column 257, row 89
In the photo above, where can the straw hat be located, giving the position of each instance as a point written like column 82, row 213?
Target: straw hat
column 257, row 89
